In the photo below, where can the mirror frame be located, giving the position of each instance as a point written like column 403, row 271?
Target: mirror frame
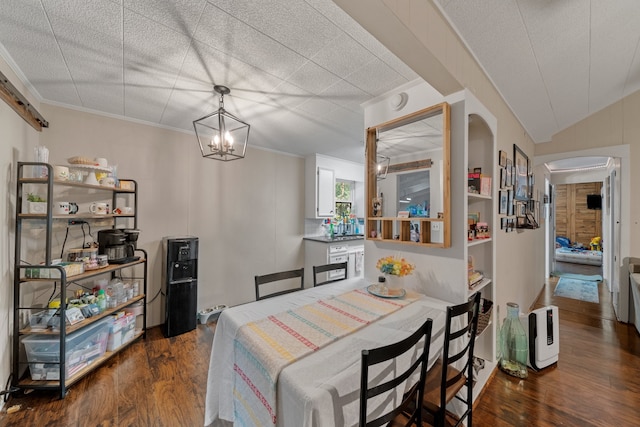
column 380, row 228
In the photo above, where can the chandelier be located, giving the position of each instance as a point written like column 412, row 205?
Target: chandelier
column 382, row 166
column 221, row 135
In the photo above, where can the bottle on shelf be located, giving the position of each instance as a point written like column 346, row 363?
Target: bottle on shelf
column 102, row 300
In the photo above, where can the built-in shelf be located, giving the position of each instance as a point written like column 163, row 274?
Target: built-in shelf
column 475, row 242
column 481, row 284
column 478, row 196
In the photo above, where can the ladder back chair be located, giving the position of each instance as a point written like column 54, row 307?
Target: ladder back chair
column 319, row 269
column 276, row 277
column 444, row 381
column 408, row 412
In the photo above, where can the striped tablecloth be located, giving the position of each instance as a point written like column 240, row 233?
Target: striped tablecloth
column 264, row 347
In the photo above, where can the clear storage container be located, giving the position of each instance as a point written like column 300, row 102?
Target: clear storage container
column 82, row 348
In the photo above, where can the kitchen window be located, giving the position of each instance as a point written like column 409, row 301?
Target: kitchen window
column 344, row 198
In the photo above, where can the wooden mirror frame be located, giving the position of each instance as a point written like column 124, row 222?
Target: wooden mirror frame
column 380, row 228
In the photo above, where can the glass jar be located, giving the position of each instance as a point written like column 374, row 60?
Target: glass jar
column 514, row 346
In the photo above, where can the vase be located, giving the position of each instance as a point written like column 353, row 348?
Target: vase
column 394, row 281
column 514, row 343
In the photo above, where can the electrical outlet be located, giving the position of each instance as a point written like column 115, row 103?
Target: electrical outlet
column 435, row 226
column 77, row 221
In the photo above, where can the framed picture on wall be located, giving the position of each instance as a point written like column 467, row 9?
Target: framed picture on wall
column 509, row 202
column 504, row 198
column 502, row 158
column 521, row 163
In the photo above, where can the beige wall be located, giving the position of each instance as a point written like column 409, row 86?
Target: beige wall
column 17, row 140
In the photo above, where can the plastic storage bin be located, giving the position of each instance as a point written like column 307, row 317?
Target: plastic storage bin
column 122, row 331
column 82, row 348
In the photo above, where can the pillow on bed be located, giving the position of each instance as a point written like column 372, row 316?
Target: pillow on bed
column 563, row 241
column 634, row 268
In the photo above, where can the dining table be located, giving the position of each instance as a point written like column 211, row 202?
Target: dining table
column 322, row 388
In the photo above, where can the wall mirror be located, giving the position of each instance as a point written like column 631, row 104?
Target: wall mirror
column 408, row 179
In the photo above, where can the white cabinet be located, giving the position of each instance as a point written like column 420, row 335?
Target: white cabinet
column 325, row 191
column 318, row 251
column 321, row 173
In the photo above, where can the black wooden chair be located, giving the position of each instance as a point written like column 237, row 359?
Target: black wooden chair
column 319, row 269
column 443, row 380
column 276, row 277
column 408, row 411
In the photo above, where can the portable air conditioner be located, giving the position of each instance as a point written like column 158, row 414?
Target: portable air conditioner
column 543, row 335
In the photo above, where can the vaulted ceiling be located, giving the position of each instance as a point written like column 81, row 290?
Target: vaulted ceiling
column 299, row 70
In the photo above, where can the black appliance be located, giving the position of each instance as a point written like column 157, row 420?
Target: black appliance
column 180, row 278
column 114, row 244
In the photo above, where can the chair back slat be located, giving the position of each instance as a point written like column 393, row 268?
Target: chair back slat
column 276, row 277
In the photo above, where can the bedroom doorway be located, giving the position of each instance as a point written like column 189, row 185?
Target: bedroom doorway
column 579, row 225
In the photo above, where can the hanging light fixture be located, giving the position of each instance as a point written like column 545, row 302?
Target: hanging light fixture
column 221, row 135
column 382, row 166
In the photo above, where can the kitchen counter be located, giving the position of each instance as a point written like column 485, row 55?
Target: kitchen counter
column 323, row 239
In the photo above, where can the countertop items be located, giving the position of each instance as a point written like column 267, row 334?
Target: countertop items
column 323, row 239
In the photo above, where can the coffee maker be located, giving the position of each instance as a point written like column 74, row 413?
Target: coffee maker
column 113, row 243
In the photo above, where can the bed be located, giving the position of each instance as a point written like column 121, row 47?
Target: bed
column 566, row 253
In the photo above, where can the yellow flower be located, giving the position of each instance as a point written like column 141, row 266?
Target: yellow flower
column 395, row 266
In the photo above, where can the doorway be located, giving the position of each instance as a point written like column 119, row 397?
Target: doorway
column 607, row 171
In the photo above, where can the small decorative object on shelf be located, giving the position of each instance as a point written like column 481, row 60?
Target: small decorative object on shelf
column 514, row 344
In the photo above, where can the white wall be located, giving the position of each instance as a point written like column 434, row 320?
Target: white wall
column 17, row 140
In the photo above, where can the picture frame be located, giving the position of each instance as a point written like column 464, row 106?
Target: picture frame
column 504, row 223
column 521, row 163
column 504, row 199
column 509, row 173
column 502, row 158
column 503, row 177
column 510, row 202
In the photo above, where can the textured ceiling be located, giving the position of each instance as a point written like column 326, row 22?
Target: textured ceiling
column 298, row 70
column 555, row 62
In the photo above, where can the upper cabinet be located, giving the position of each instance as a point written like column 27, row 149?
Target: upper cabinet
column 321, row 175
column 408, row 179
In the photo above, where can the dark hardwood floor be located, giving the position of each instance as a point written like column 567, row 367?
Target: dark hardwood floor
column 596, row 381
column 162, row 382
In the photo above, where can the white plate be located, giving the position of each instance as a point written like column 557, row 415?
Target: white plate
column 383, row 292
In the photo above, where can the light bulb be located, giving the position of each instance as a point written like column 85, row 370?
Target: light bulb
column 216, row 140
column 228, row 138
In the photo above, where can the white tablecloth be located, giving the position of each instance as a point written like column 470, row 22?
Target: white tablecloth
column 321, row 389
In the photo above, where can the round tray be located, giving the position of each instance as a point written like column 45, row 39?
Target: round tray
column 383, row 292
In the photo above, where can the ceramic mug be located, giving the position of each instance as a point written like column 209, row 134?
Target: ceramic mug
column 61, row 173
column 61, row 208
column 99, row 208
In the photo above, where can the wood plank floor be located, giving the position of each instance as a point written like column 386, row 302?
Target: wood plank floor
column 162, row 382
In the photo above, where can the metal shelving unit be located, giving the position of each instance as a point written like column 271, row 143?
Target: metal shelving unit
column 58, row 275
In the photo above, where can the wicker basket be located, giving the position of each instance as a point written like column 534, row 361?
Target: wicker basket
column 484, row 317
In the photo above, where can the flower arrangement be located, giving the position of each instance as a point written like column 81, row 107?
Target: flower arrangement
column 395, row 266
